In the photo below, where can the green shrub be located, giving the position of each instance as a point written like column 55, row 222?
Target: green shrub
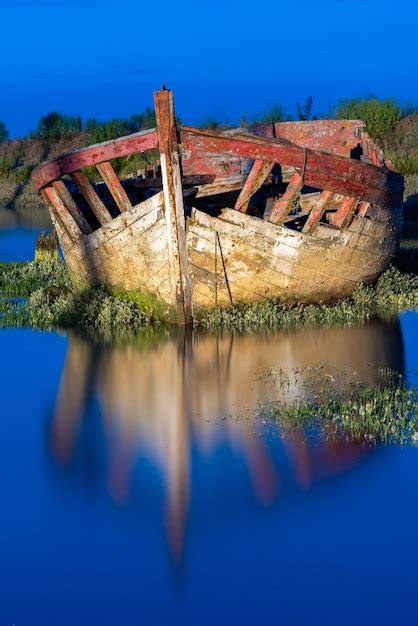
column 22, row 174
column 304, row 111
column 406, row 163
column 94, row 311
column 21, row 279
column 210, row 123
column 98, row 132
column 380, row 116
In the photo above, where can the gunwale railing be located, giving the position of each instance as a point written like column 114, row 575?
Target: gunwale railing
column 48, row 172
column 361, row 184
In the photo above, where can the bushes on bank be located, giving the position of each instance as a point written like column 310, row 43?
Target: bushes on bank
column 380, row 116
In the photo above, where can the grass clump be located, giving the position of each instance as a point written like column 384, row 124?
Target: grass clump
column 384, row 413
column 23, row 278
column 94, row 311
column 380, row 116
column 406, row 163
column 52, row 302
column 394, row 292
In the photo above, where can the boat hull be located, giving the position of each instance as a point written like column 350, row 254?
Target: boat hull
column 234, row 257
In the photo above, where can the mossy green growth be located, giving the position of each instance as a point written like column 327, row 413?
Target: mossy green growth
column 384, row 413
column 53, row 302
column 147, row 303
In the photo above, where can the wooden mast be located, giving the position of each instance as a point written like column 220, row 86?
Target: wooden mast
column 174, row 209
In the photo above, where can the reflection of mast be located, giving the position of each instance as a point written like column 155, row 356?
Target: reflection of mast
column 121, row 462
column 178, row 463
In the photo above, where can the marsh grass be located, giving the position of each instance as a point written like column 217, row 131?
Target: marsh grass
column 383, row 413
column 23, row 278
column 394, row 292
column 53, row 302
column 95, row 312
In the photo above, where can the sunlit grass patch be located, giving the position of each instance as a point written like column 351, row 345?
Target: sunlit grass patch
column 94, row 311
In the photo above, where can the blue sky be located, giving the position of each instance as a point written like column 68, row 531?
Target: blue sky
column 222, row 58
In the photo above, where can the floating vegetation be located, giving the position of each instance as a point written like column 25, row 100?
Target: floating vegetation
column 384, row 413
column 52, row 302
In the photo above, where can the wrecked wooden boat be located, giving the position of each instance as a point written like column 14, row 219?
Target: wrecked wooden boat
column 301, row 211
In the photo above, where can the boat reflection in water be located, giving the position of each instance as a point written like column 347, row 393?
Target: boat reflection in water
column 169, row 398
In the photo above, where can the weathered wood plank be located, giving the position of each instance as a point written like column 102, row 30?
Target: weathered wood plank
column 245, row 251
column 342, row 217
column 335, row 136
column 72, row 207
column 318, row 211
column 139, row 219
column 174, row 209
column 283, row 206
column 256, row 258
column 258, row 174
column 247, row 224
column 324, row 171
column 188, row 181
column 69, row 163
column 91, row 197
column 363, row 207
column 203, row 275
column 112, row 182
column 198, row 186
column 63, row 215
column 265, row 282
column 221, row 185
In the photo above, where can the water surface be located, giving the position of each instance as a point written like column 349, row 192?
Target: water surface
column 139, row 487
column 19, row 231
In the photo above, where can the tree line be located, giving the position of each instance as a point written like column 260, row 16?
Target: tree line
column 383, row 119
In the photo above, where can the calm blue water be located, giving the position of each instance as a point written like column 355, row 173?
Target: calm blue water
column 137, row 487
column 18, row 244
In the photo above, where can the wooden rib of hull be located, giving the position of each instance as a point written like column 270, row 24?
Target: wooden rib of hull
column 235, row 257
